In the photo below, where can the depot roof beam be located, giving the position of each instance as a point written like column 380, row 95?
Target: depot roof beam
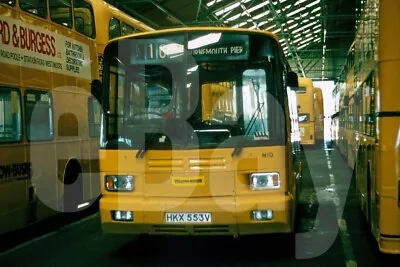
column 168, row 13
column 278, row 19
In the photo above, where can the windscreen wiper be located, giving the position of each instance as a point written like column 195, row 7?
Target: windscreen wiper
column 238, row 148
column 143, row 149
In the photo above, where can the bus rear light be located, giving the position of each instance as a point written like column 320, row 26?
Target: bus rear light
column 267, row 180
column 262, row 215
column 122, row 215
column 119, row 183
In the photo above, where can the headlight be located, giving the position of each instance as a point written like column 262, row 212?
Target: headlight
column 119, row 183
column 304, row 117
column 267, row 180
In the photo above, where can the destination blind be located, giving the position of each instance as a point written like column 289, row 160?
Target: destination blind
column 173, row 49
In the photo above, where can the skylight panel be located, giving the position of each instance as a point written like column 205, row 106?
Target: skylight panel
column 300, row 2
column 227, row 9
column 261, row 15
column 257, row 6
column 276, row 31
column 304, row 27
column 270, row 27
column 316, row 9
column 296, row 11
column 262, row 23
column 313, row 3
column 211, row 3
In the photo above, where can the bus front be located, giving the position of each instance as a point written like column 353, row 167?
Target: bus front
column 305, row 96
column 195, row 137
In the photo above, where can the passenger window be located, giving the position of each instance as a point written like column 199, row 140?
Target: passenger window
column 10, row 115
column 60, row 12
column 94, row 116
column 84, row 19
column 114, row 28
column 127, row 29
column 39, row 116
column 37, row 7
column 8, row 2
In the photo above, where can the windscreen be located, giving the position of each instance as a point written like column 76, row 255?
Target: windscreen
column 194, row 90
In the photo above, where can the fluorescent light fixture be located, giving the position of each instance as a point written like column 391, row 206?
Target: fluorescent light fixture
column 205, row 40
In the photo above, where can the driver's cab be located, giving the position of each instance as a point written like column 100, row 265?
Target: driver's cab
column 158, row 100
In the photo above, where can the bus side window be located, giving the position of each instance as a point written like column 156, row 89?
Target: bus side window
column 37, row 7
column 127, row 29
column 114, row 28
column 10, row 115
column 84, row 19
column 8, row 2
column 60, row 12
column 39, row 115
column 94, row 116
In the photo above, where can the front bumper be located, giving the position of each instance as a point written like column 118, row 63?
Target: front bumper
column 230, row 215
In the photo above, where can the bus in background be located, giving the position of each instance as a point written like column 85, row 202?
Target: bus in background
column 49, row 122
column 319, row 117
column 370, row 112
column 305, row 101
column 296, row 139
column 112, row 23
column 209, row 153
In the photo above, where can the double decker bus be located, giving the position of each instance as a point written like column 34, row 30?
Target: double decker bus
column 196, row 137
column 305, row 101
column 319, row 116
column 49, row 121
column 371, row 113
column 112, row 23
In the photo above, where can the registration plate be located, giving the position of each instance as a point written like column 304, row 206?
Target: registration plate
column 190, row 217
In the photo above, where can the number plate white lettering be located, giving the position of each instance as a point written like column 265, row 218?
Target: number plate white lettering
column 192, row 217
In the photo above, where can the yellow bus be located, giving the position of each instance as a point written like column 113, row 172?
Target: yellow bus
column 305, row 101
column 319, row 116
column 197, row 134
column 112, row 23
column 374, row 110
column 49, row 122
column 296, row 139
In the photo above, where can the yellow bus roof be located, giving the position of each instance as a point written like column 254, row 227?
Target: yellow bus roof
column 305, row 82
column 183, row 29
